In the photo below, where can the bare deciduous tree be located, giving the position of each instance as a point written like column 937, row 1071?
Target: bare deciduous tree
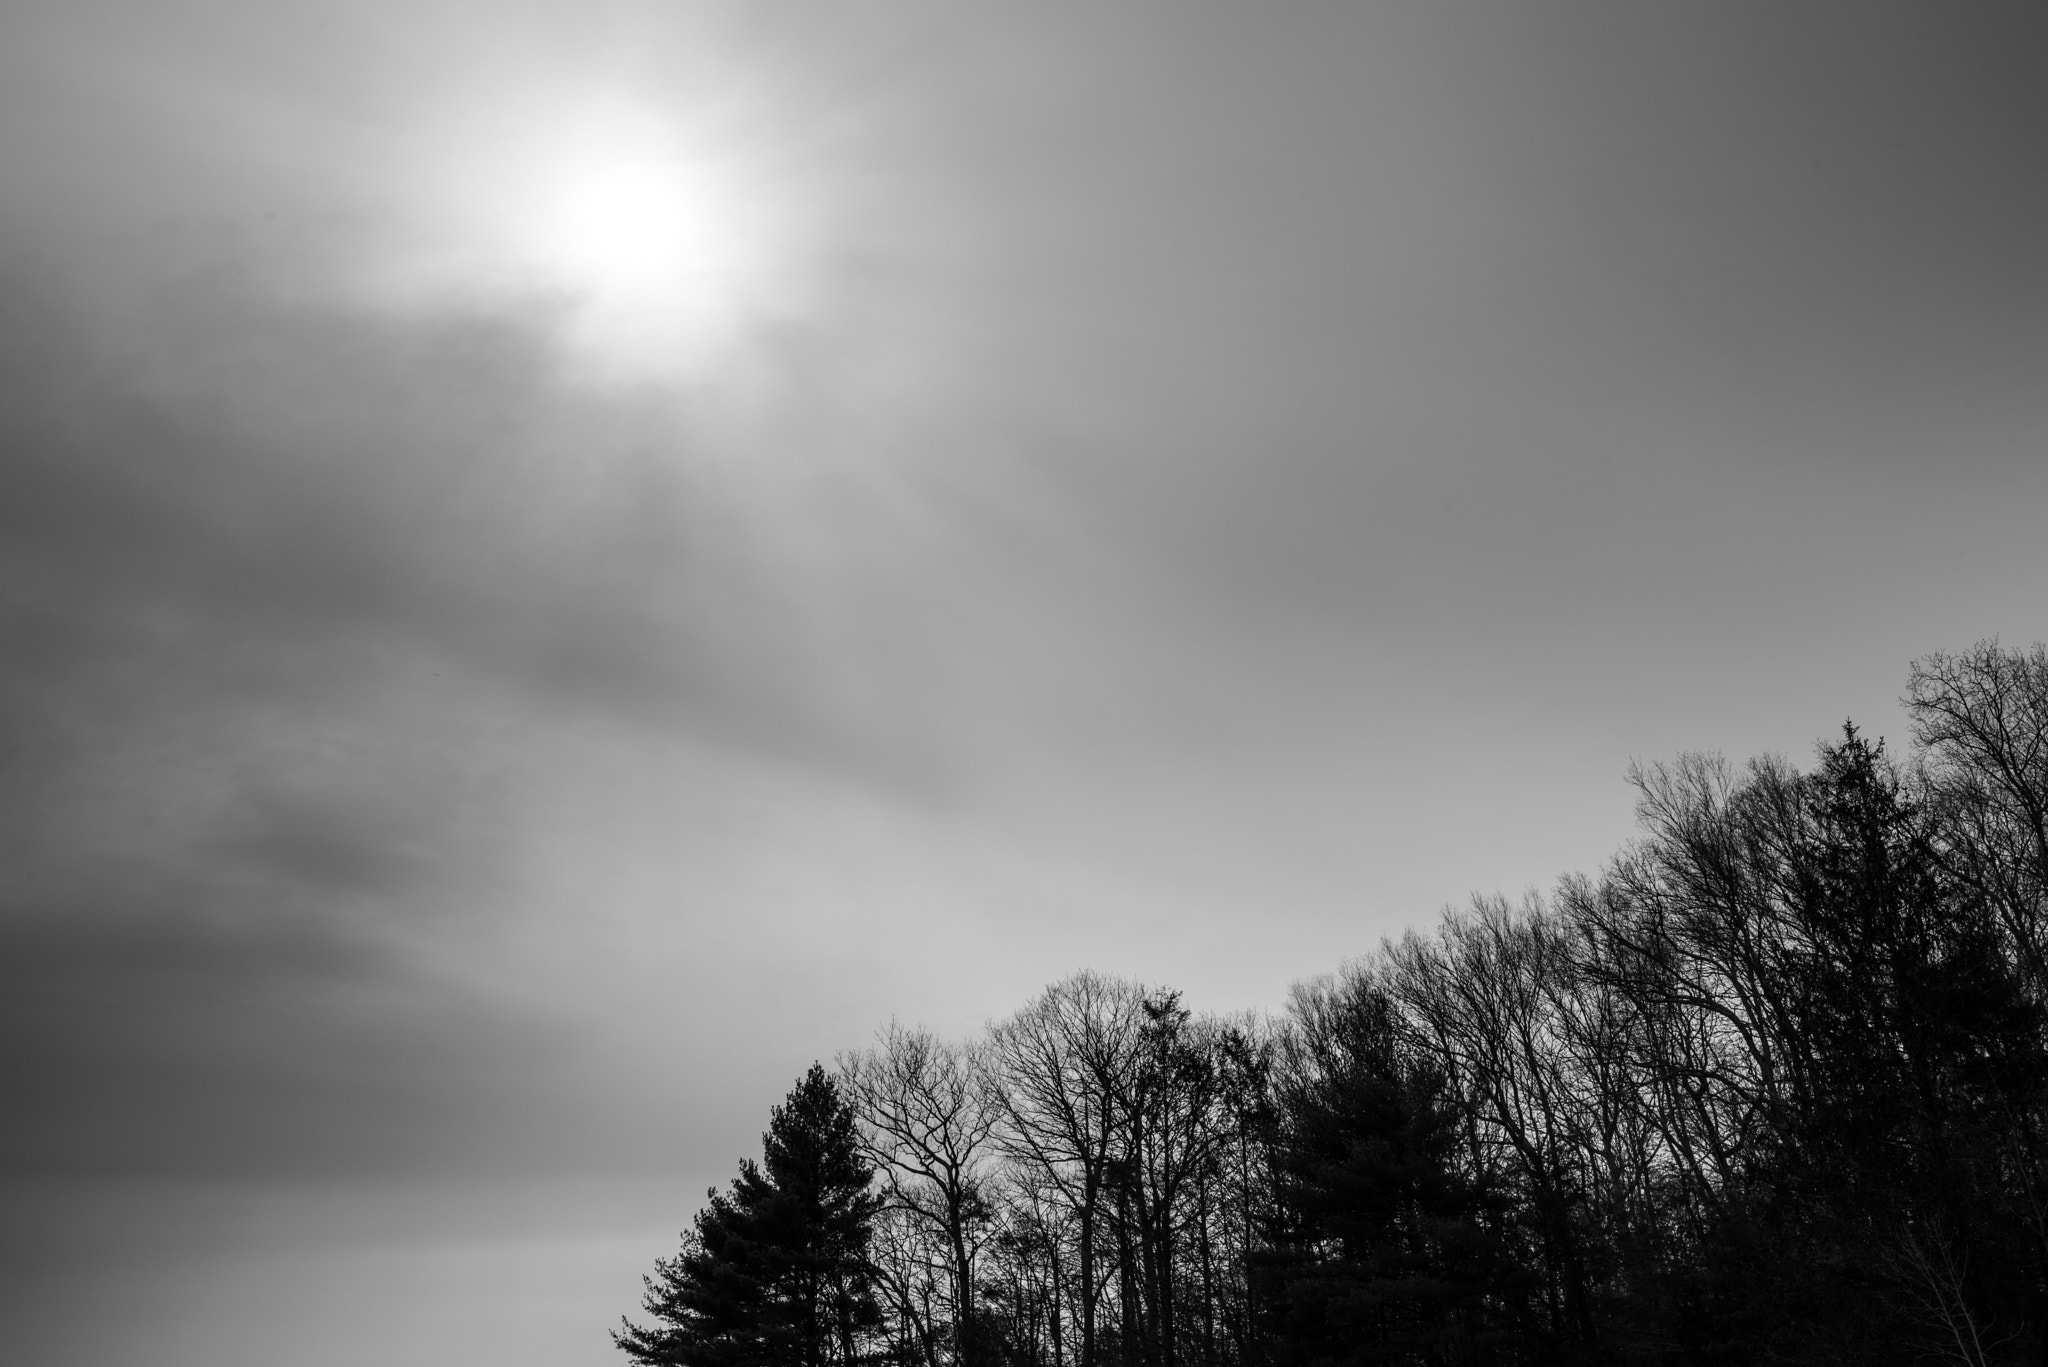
column 928, row 1119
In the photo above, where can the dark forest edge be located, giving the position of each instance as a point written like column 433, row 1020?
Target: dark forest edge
column 1771, row 1087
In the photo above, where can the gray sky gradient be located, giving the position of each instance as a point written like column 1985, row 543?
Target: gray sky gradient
column 1197, row 490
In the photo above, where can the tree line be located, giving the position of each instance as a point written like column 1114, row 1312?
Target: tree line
column 1772, row 1086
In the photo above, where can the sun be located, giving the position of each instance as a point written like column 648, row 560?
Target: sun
column 633, row 224
column 662, row 249
column 620, row 208
column 661, row 255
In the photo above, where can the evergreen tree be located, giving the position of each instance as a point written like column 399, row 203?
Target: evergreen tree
column 775, row 1272
column 1385, row 1252
column 1924, row 1045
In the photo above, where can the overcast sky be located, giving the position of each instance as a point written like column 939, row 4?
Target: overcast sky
column 1169, row 489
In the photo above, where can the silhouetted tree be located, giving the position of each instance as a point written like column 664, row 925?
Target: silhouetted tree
column 1061, row 1066
column 775, row 1272
column 927, row 1120
column 1771, row 1087
column 1385, row 1248
column 1981, row 720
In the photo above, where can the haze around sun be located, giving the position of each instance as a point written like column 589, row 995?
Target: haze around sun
column 661, row 253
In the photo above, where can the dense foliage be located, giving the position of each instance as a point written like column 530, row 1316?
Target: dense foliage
column 1771, row 1087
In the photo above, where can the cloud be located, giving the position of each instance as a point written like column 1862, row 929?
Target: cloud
column 298, row 608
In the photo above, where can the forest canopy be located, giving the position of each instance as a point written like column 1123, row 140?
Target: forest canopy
column 1771, row 1086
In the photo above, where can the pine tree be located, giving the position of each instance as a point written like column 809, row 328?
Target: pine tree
column 775, row 1272
column 1383, row 1251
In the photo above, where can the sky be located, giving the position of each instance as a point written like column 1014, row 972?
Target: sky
column 559, row 562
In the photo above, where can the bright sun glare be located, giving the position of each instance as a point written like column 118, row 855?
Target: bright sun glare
column 663, row 257
column 621, row 215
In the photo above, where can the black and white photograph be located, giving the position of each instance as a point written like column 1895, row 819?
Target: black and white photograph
column 882, row 683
